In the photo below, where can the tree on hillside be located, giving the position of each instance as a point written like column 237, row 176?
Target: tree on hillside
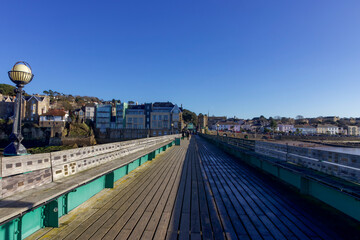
column 189, row 117
column 273, row 124
column 6, row 89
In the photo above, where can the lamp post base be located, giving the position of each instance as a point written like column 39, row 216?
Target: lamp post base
column 15, row 149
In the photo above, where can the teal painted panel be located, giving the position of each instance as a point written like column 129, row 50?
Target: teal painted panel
column 255, row 161
column 290, row 177
column 61, row 206
column 7, row 231
column 85, row 192
column 119, row 173
column 131, row 166
column 270, row 168
column 134, row 164
column 143, row 159
column 336, row 199
column 31, row 222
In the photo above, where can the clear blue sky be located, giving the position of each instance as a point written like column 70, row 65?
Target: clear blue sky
column 229, row 57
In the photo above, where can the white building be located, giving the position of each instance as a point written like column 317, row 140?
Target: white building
column 286, row 128
column 90, row 110
column 305, row 129
column 327, row 129
column 228, row 126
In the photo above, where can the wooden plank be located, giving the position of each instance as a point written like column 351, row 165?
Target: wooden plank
column 172, row 187
column 123, row 198
column 195, row 212
column 281, row 217
column 134, row 207
column 177, row 208
column 269, row 197
column 155, row 208
column 123, row 207
column 105, row 203
column 17, row 204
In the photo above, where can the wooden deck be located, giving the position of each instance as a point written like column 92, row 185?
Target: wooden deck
column 193, row 191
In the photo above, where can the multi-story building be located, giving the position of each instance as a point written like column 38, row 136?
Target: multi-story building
column 80, row 114
column 213, row 120
column 162, row 118
column 148, row 110
column 165, row 118
column 7, row 106
column 176, row 120
column 228, row 126
column 352, row 130
column 32, row 106
column 135, row 117
column 286, row 128
column 35, row 106
column 103, row 117
column 305, row 129
column 327, row 129
column 54, row 119
column 202, row 121
column 121, row 115
column 90, row 111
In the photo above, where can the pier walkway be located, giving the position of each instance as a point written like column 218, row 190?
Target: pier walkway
column 195, row 191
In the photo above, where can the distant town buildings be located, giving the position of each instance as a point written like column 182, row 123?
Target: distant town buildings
column 327, row 129
column 54, row 119
column 305, row 129
column 160, row 118
column 32, row 107
column 330, row 125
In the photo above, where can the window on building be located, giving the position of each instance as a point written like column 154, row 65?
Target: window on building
column 166, row 117
column 34, row 108
column 154, row 117
column 160, row 117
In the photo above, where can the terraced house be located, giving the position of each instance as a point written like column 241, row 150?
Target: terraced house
column 161, row 118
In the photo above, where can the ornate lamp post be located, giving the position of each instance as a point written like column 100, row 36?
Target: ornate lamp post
column 172, row 127
column 20, row 74
column 217, row 129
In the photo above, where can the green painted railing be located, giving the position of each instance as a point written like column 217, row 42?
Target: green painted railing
column 48, row 214
column 346, row 202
